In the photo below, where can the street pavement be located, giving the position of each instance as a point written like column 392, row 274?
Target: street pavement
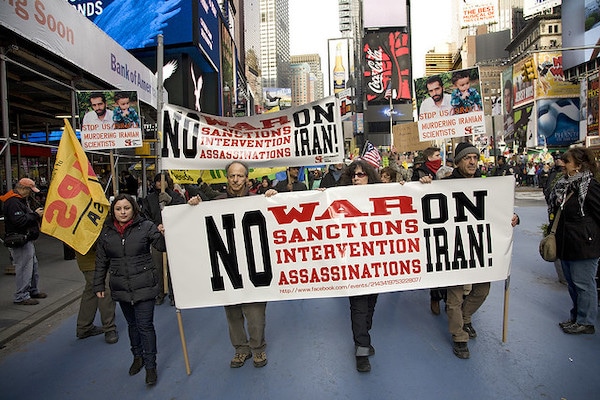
column 310, row 343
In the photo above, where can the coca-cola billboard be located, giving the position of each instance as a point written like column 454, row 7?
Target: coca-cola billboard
column 387, row 67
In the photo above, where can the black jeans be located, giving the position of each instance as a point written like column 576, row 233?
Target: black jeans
column 140, row 323
column 362, row 309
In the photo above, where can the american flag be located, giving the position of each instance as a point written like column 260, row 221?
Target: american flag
column 388, row 91
column 371, row 155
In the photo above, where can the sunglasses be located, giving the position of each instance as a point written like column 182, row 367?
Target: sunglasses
column 359, row 174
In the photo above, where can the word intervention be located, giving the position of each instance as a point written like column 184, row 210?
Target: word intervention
column 342, row 241
column 301, row 135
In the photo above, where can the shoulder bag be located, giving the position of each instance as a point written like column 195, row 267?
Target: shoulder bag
column 548, row 243
column 14, row 239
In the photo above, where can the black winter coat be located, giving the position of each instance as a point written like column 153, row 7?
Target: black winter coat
column 151, row 206
column 19, row 218
column 578, row 236
column 133, row 277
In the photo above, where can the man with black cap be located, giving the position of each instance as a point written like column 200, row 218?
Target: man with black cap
column 19, row 218
column 464, row 300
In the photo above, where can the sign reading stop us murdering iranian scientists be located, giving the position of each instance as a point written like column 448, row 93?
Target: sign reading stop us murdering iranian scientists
column 109, row 119
column 343, row 241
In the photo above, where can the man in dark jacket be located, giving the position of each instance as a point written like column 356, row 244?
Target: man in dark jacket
column 152, row 206
column 291, row 184
column 19, row 218
column 333, row 175
column 463, row 302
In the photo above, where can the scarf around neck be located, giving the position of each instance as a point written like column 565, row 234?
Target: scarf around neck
column 578, row 184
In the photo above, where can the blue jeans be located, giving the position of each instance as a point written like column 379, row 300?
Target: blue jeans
column 580, row 276
column 26, row 271
column 140, row 324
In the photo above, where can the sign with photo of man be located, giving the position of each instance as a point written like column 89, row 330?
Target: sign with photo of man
column 109, row 120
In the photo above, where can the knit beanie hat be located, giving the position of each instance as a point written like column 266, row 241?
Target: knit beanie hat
column 463, row 149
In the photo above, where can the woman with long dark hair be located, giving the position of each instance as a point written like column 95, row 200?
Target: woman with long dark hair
column 577, row 193
column 362, row 307
column 123, row 251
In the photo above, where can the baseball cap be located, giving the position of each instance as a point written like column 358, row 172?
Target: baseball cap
column 26, row 182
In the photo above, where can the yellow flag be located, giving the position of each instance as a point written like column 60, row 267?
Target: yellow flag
column 76, row 206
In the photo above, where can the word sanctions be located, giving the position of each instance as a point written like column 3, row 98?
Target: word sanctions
column 339, row 242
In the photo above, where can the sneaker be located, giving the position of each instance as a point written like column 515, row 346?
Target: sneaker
column 575, row 329
column 470, row 330
column 239, row 359
column 39, row 295
column 96, row 330
column 461, row 350
column 566, row 323
column 371, row 350
column 111, row 337
column 27, row 302
column 260, row 359
column 363, row 364
column 435, row 307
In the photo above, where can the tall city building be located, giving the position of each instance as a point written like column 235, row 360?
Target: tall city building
column 314, row 62
column 440, row 59
column 252, row 50
column 302, row 80
column 275, row 43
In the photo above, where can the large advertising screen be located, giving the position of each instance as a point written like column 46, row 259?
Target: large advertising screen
column 137, row 24
column 531, row 7
column 557, row 121
column 384, row 13
column 478, row 12
column 522, row 89
column 341, row 65
column 387, row 67
column 508, row 102
column 581, row 28
column 550, row 80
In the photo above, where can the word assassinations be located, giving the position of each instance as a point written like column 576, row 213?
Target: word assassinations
column 341, row 242
column 306, row 135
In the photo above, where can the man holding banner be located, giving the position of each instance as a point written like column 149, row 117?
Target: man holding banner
column 460, row 307
column 251, row 343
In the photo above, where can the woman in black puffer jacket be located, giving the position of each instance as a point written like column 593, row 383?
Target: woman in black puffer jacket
column 123, row 251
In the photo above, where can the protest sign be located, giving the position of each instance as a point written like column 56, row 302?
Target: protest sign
column 343, row 241
column 305, row 135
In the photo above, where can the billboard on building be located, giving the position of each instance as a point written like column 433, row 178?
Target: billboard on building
column 523, row 90
column 384, row 13
column 478, row 12
column 524, row 128
column 593, row 104
column 275, row 99
column 383, row 112
column 550, row 80
column 581, row 28
column 557, row 121
column 450, row 105
column 81, row 43
column 508, row 102
column 532, row 7
column 135, row 25
column 341, row 64
column 387, row 67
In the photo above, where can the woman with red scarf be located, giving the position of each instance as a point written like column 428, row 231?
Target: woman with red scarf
column 123, row 250
column 433, row 162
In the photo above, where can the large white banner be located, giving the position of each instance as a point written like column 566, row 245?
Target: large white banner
column 305, row 135
column 339, row 242
column 58, row 27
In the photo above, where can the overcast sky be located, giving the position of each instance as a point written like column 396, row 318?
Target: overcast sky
column 312, row 22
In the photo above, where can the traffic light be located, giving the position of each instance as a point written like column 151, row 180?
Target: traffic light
column 524, row 73
column 530, row 70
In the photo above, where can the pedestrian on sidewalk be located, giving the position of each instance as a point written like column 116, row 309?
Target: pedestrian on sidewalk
column 577, row 193
column 90, row 303
column 21, row 219
column 124, row 249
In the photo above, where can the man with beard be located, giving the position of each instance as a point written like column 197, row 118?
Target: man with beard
column 438, row 100
column 99, row 116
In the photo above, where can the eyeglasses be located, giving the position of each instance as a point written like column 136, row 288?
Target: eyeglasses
column 359, row 174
